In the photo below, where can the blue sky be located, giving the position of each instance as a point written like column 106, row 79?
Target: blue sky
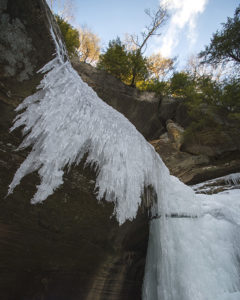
column 198, row 19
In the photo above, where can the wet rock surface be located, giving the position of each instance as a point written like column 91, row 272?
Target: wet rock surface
column 193, row 168
column 213, row 142
column 218, row 185
column 25, row 46
column 70, row 246
column 140, row 108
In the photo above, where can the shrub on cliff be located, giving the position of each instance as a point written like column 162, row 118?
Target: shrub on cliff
column 70, row 35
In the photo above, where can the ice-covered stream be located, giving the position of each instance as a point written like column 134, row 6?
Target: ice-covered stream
column 196, row 257
column 190, row 258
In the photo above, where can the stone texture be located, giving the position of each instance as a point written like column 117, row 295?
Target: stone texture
column 175, row 133
column 191, row 168
column 213, row 142
column 216, row 185
column 168, row 108
column 182, row 117
column 25, row 46
column 69, row 247
column 140, row 108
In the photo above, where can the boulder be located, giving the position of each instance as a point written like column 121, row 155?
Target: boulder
column 213, row 142
column 194, row 168
column 175, row 133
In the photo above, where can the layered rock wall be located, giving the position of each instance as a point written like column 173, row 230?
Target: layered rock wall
column 69, row 247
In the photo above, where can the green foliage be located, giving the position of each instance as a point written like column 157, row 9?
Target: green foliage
column 181, row 84
column 224, row 46
column 160, row 67
column 70, row 35
column 230, row 98
column 130, row 66
column 123, row 64
column 115, row 60
column 138, row 67
column 154, row 85
column 207, row 99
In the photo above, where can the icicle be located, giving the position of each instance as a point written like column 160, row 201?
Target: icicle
column 193, row 258
column 64, row 120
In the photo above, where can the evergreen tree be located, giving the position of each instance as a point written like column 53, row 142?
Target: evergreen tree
column 225, row 44
column 115, row 60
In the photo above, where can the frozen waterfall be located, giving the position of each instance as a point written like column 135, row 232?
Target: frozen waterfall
column 64, row 120
column 196, row 257
column 192, row 258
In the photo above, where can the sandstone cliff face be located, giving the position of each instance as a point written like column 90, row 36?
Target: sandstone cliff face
column 192, row 168
column 140, row 108
column 25, row 47
column 69, row 247
column 207, row 154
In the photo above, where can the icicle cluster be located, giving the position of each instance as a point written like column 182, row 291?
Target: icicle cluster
column 196, row 257
column 194, row 240
column 64, row 120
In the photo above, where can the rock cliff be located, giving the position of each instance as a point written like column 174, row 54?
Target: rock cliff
column 205, row 155
column 140, row 108
column 69, row 247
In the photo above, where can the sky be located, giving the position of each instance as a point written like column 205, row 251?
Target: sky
column 189, row 27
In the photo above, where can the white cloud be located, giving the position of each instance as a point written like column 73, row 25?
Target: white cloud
column 183, row 15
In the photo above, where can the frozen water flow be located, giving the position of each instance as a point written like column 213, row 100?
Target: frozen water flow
column 64, row 120
column 191, row 256
column 233, row 178
column 226, row 182
column 196, row 258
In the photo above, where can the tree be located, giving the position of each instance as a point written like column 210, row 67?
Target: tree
column 138, row 68
column 89, row 48
column 158, row 18
column 127, row 62
column 180, row 84
column 225, row 44
column 70, row 35
column 63, row 8
column 154, row 85
column 120, row 63
column 196, row 69
column 115, row 60
column 159, row 67
column 230, row 98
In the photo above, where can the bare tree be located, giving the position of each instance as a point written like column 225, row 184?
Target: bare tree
column 197, row 69
column 64, row 8
column 159, row 66
column 89, row 48
column 158, row 18
column 128, row 42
